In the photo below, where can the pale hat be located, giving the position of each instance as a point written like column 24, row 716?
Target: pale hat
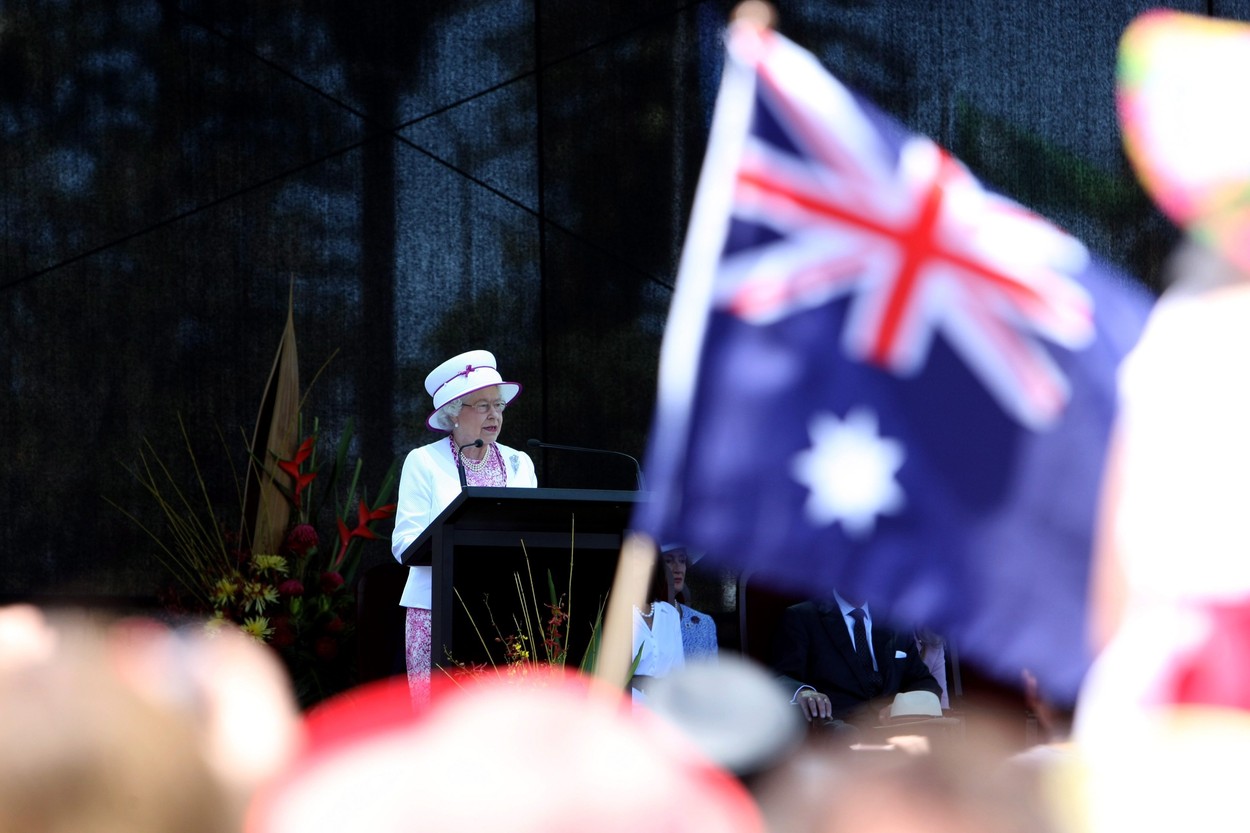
column 914, row 704
column 464, row 374
column 733, row 710
column 691, row 555
column 1180, row 89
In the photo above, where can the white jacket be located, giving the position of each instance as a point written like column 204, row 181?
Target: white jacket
column 428, row 483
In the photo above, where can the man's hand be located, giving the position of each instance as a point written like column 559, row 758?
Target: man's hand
column 815, row 706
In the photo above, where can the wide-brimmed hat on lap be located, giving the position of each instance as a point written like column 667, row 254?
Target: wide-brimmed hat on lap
column 915, row 705
column 464, row 374
column 1180, row 89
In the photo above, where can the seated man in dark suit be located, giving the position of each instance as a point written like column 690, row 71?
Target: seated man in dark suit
column 839, row 680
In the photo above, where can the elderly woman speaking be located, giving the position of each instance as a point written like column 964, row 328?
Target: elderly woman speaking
column 469, row 400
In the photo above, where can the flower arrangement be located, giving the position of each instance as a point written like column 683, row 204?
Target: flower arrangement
column 299, row 597
column 270, row 570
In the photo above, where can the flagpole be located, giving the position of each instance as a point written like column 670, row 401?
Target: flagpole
column 629, row 589
column 755, row 11
column 639, row 553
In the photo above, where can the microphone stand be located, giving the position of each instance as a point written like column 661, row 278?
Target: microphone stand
column 637, row 468
column 464, row 480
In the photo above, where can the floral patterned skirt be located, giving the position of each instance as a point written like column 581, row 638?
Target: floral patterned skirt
column 417, row 631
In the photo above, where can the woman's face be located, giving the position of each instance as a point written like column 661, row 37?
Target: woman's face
column 481, row 417
column 676, row 561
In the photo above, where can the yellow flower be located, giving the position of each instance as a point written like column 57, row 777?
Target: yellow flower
column 269, row 564
column 258, row 628
column 516, row 649
column 214, row 625
column 258, row 594
column 224, row 591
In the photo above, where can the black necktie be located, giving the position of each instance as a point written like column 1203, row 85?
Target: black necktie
column 862, row 650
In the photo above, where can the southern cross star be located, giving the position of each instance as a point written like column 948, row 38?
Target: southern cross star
column 849, row 471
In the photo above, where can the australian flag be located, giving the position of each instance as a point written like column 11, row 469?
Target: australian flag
column 880, row 377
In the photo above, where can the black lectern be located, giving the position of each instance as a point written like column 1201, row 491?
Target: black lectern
column 475, row 548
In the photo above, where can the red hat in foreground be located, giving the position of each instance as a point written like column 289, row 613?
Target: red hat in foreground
column 542, row 752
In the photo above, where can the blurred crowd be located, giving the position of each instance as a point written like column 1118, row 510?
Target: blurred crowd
column 136, row 725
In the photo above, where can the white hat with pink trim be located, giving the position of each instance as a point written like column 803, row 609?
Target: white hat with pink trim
column 464, row 374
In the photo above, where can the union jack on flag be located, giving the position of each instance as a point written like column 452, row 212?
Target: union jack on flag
column 907, row 232
column 879, row 376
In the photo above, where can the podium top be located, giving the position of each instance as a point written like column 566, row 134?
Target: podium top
column 524, row 510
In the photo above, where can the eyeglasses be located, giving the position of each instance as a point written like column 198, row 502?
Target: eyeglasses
column 485, row 407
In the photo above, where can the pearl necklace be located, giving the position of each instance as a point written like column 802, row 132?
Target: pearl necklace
column 468, row 462
column 648, row 614
column 475, row 465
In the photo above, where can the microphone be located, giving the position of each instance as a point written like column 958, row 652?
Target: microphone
column 464, row 480
column 637, row 468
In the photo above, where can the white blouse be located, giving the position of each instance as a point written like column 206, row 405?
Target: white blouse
column 660, row 643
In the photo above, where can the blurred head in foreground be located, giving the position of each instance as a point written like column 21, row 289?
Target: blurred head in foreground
column 532, row 752
column 131, row 726
column 961, row 788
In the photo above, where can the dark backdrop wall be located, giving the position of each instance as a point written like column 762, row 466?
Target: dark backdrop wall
column 426, row 177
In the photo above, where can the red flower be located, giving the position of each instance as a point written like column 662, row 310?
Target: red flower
column 379, row 514
column 283, row 632
column 301, row 539
column 344, row 538
column 291, row 587
column 335, row 625
column 327, row 647
column 292, row 468
column 330, row 582
column 364, row 516
column 362, row 529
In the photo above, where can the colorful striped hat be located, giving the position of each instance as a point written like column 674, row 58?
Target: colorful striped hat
column 1180, row 93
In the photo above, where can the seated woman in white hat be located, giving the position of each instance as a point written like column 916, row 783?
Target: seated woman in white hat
column 469, row 400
